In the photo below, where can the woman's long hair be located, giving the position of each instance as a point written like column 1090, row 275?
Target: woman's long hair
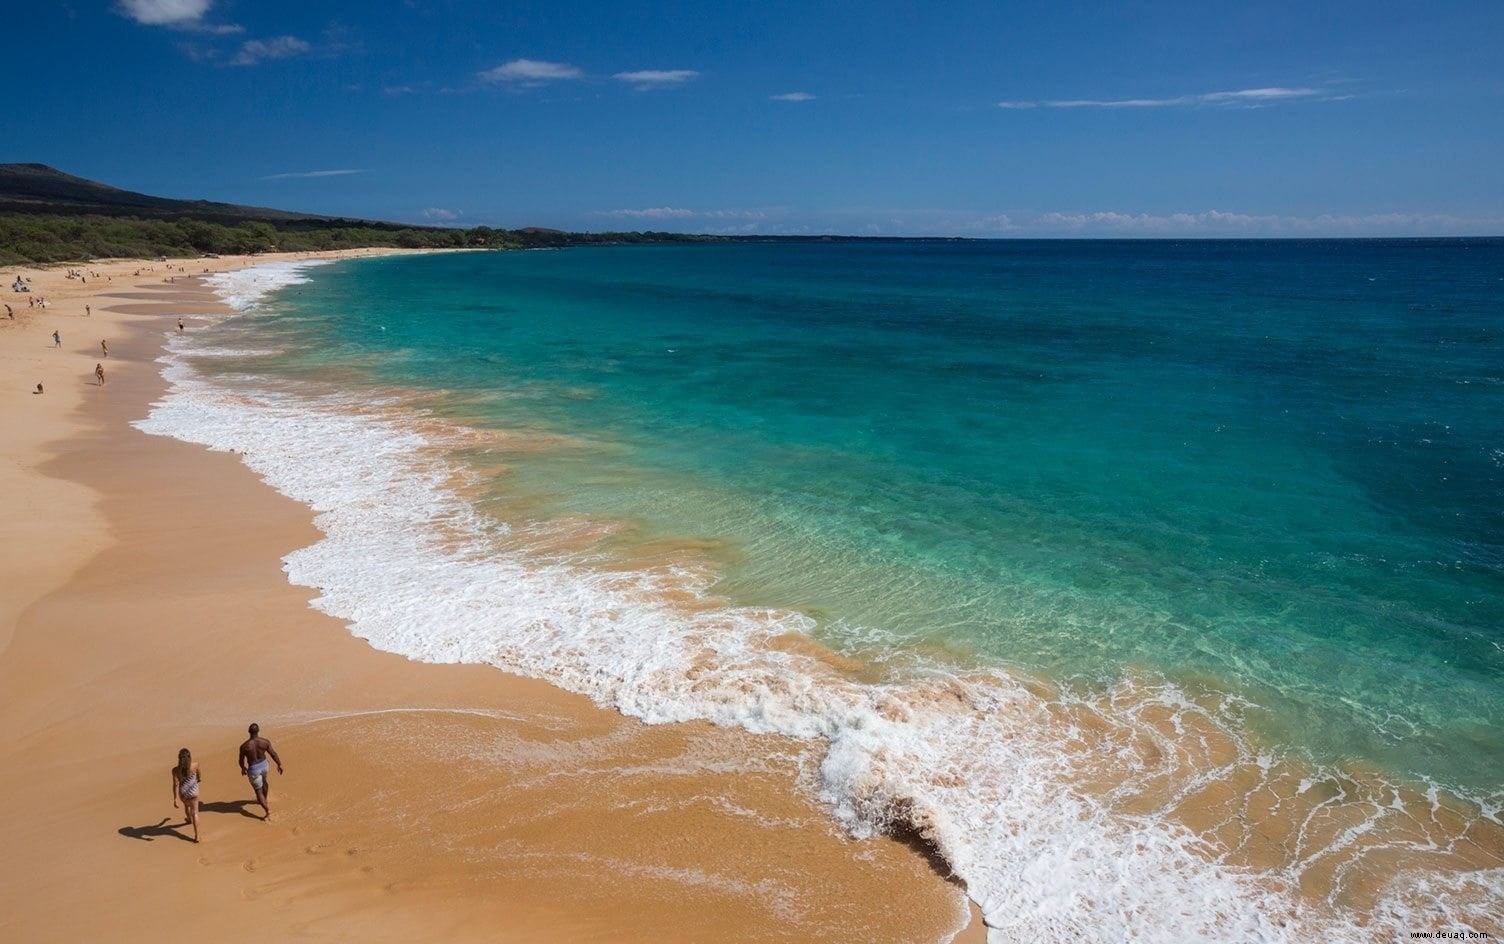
column 185, row 762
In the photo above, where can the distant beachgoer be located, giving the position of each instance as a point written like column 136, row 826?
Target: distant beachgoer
column 57, row 339
column 105, row 348
column 180, row 326
column 99, row 372
column 39, row 388
column 88, row 309
column 186, row 780
column 256, row 755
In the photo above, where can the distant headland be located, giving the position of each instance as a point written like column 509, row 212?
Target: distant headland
column 49, row 216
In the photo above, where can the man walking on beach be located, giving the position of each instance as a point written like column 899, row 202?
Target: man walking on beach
column 256, row 755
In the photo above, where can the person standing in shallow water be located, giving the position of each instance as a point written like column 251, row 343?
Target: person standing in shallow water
column 256, row 757
column 99, row 373
column 185, row 783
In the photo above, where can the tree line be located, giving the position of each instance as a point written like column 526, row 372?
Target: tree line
column 41, row 238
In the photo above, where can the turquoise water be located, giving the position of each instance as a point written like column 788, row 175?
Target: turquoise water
column 1269, row 468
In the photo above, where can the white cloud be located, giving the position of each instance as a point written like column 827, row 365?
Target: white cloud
column 438, row 213
column 1089, row 224
column 530, row 72
column 651, row 213
column 290, row 175
column 1148, row 223
column 176, row 14
column 679, row 213
column 1222, row 223
column 280, row 47
column 1259, row 95
column 793, row 97
column 165, row 12
column 748, row 229
column 1253, row 96
column 656, row 78
column 1000, row 223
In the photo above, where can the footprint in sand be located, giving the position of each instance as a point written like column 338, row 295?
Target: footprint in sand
column 316, row 849
column 205, row 860
column 249, row 865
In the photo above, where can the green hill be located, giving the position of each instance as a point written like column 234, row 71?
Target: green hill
column 37, row 188
column 49, row 216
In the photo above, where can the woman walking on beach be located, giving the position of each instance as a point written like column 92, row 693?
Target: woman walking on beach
column 185, row 783
column 99, row 373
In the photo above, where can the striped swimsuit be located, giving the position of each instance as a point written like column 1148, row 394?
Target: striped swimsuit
column 188, row 786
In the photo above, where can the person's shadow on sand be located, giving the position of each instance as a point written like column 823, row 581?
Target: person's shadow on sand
column 163, row 831
column 151, row 833
column 229, row 806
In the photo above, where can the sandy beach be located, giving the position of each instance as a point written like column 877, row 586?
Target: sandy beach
column 144, row 609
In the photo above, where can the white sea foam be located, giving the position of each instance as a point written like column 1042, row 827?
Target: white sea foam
column 243, row 288
column 200, row 351
column 975, row 763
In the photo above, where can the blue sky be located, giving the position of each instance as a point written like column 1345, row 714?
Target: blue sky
column 964, row 118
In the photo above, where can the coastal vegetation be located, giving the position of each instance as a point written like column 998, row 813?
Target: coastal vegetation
column 50, row 237
column 48, row 216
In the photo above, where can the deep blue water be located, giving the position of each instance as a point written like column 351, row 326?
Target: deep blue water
column 1271, row 468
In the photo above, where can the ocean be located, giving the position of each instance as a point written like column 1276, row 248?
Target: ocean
column 1159, row 585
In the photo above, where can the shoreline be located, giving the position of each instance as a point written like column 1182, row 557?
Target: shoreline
column 150, row 609
column 1166, row 803
column 656, row 826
